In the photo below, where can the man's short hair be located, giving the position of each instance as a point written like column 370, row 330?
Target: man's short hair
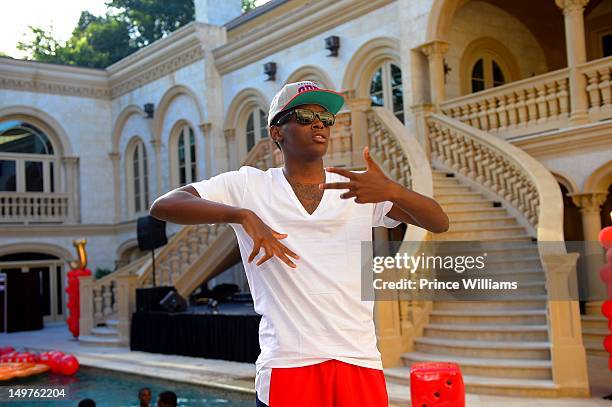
column 87, row 403
column 168, row 398
column 142, row 390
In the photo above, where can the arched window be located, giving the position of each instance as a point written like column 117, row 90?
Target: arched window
column 386, row 89
column 138, row 177
column 256, row 125
column 487, row 73
column 187, row 163
column 27, row 160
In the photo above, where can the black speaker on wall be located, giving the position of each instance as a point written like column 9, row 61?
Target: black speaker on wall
column 151, row 234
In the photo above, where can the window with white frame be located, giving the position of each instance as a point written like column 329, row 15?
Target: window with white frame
column 27, row 159
column 486, row 73
column 386, row 89
column 138, row 177
column 256, row 125
column 186, row 150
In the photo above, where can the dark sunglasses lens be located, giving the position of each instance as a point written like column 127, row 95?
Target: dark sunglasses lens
column 304, row 116
column 327, row 118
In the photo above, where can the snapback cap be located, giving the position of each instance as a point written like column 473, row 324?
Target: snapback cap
column 304, row 93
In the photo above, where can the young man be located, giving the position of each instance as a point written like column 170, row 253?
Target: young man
column 317, row 338
column 167, row 399
column 144, row 397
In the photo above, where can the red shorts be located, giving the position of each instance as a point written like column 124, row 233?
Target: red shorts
column 328, row 384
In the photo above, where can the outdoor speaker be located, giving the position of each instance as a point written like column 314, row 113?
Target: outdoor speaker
column 151, row 233
column 173, row 302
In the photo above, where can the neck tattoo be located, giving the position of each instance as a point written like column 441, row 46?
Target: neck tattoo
column 309, row 195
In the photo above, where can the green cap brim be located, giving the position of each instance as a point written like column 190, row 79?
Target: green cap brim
column 330, row 100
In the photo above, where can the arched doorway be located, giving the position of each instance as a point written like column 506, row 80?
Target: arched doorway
column 35, row 288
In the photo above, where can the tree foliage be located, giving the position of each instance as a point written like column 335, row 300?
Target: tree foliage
column 128, row 25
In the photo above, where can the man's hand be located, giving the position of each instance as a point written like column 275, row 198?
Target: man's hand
column 266, row 237
column 372, row 186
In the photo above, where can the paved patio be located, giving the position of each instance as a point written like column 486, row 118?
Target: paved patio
column 240, row 376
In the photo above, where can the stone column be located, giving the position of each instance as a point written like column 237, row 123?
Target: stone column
column 158, row 167
column 230, row 143
column 590, row 204
column 205, row 129
column 576, row 55
column 116, row 160
column 86, row 320
column 71, row 172
column 359, row 128
column 126, row 298
column 435, row 51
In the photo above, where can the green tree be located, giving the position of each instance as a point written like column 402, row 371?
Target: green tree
column 248, row 5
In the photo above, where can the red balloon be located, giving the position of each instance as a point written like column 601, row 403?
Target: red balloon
column 56, row 362
column 7, row 349
column 70, row 365
column 605, row 237
column 606, row 309
column 44, row 358
column 605, row 273
column 608, row 343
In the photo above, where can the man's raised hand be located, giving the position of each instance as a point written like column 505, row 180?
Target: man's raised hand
column 371, row 186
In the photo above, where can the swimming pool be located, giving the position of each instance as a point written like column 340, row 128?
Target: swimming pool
column 115, row 389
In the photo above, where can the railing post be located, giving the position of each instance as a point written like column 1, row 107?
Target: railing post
column 86, row 321
column 576, row 55
column 567, row 350
column 359, row 128
column 126, row 298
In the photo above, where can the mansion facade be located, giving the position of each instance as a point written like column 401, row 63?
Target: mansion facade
column 494, row 91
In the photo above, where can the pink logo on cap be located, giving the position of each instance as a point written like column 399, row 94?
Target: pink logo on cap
column 307, row 88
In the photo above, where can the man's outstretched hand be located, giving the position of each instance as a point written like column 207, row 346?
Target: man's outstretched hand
column 371, row 186
column 267, row 238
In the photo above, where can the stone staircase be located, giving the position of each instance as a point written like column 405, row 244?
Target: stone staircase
column 594, row 330
column 106, row 335
column 501, row 346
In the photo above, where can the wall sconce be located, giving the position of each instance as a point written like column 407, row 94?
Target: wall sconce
column 270, row 70
column 149, row 109
column 447, row 69
column 332, row 44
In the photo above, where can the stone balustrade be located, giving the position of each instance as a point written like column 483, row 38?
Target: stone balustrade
column 33, row 207
column 598, row 75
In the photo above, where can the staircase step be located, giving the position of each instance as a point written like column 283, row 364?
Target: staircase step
column 488, row 221
column 478, row 233
column 462, row 213
column 489, row 367
column 594, row 321
column 445, row 197
column 531, row 302
column 508, row 332
column 475, row 384
column 503, row 250
column 484, row 349
column 450, row 188
column 472, row 204
column 90, row 340
column 595, row 348
column 104, row 332
column 112, row 323
column 492, row 317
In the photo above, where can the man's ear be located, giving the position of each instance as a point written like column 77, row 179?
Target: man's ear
column 276, row 134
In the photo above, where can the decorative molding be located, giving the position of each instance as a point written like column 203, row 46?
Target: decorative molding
column 569, row 6
column 51, row 231
column 114, row 156
column 205, row 127
column 593, row 136
column 435, row 48
column 39, row 77
column 164, row 68
column 589, row 202
column 229, row 133
column 305, row 22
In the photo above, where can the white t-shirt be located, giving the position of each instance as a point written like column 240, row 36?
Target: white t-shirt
column 314, row 312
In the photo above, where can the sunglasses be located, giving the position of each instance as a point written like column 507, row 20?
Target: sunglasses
column 305, row 116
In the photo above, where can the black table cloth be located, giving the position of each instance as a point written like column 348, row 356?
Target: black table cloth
column 226, row 337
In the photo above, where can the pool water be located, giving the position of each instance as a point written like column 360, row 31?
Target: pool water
column 115, row 389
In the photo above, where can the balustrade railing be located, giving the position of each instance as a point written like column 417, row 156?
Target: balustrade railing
column 598, row 75
column 33, row 207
